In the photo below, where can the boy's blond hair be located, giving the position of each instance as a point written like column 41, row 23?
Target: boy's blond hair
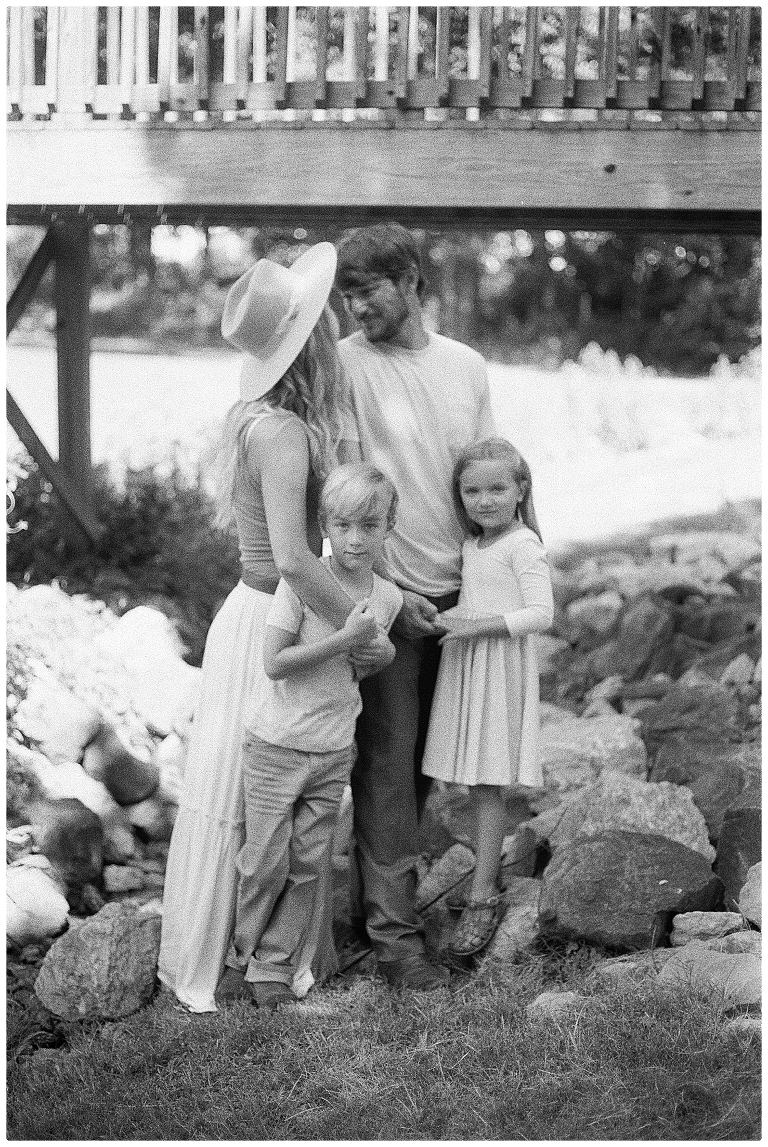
column 355, row 490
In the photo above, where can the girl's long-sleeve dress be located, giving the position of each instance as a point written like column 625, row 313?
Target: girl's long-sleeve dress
column 484, row 725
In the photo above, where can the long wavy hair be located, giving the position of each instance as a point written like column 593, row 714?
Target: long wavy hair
column 313, row 387
column 497, row 450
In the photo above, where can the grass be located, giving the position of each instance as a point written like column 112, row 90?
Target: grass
column 358, row 1062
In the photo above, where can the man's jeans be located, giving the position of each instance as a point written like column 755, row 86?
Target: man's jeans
column 389, row 793
column 291, row 803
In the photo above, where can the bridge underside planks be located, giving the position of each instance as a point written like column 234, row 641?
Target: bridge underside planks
column 439, row 174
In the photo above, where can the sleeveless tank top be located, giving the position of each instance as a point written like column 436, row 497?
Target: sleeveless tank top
column 248, row 501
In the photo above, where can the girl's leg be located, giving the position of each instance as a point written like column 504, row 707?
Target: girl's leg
column 490, row 826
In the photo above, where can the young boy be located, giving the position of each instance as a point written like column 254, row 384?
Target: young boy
column 298, row 749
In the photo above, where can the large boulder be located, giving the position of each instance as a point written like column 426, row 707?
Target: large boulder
column 575, row 751
column 128, row 776
column 592, row 618
column 616, row 801
column 739, row 847
column 735, row 978
column 103, row 969
column 519, row 924
column 60, row 723
column 751, row 896
column 646, row 627
column 72, row 838
column 621, row 889
column 716, row 771
column 163, row 688
column 694, row 706
column 445, row 875
column 35, row 905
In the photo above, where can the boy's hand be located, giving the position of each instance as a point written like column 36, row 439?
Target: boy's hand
column 370, row 658
column 360, row 627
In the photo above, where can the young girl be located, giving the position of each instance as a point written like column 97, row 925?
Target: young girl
column 483, row 730
column 298, row 749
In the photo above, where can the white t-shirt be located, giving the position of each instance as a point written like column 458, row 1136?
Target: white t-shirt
column 314, row 710
column 416, row 411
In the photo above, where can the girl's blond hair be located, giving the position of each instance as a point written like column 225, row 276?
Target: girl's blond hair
column 496, row 450
column 315, row 388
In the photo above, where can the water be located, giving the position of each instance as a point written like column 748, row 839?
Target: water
column 608, row 452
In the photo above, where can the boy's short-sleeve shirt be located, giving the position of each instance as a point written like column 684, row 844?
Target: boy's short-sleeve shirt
column 314, row 710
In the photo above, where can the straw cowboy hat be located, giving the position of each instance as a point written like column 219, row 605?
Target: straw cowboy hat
column 270, row 311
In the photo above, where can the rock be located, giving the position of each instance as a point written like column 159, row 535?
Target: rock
column 575, row 751
column 688, row 926
column 634, row 967
column 594, row 616
column 716, row 771
column 105, row 969
column 746, row 941
column 739, row 671
column 153, row 818
column 621, row 889
column 739, row 847
column 170, row 757
column 608, row 690
column 554, row 1005
column 35, row 906
column 519, row 925
column 127, row 776
column 549, row 713
column 518, row 853
column 734, row 978
column 444, row 875
column 19, row 842
column 618, row 802
column 757, row 676
column 703, row 708
column 751, row 895
column 68, row 780
column 58, row 721
column 550, row 651
column 645, row 627
column 72, row 838
column 600, row 708
column 749, row 1026
column 122, row 878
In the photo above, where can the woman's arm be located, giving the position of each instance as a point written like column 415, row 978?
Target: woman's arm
column 283, row 464
column 282, row 657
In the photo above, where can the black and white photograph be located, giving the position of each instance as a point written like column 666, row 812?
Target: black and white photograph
column 383, row 573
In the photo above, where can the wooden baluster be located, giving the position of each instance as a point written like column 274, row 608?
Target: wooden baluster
column 321, row 54
column 245, row 18
column 113, row 45
column 590, row 93
column 143, row 101
column 361, row 54
column 259, row 45
column 442, row 34
column 381, row 43
column 611, row 52
column 51, row 55
column 472, row 97
column 167, row 53
column 223, row 97
column 531, row 51
column 486, row 44
column 201, row 70
column 742, row 53
column 281, row 54
column 633, row 92
column 290, row 50
column 91, row 54
column 700, row 42
column 571, row 32
column 401, row 57
column 127, row 56
column 27, row 103
column 74, row 64
column 15, row 60
column 413, row 42
column 634, row 35
column 504, row 32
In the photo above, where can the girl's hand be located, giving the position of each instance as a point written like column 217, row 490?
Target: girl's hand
column 458, row 628
column 360, row 627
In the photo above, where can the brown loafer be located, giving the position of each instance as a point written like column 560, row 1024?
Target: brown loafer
column 231, row 986
column 415, row 973
column 270, row 994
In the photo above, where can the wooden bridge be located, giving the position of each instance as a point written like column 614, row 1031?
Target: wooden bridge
column 575, row 117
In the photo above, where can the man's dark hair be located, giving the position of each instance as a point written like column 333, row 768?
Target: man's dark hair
column 385, row 249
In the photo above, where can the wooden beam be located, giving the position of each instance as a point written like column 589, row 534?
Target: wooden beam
column 29, row 282
column 656, row 171
column 73, row 291
column 65, row 489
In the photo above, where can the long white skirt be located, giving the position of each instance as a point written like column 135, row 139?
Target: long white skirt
column 201, row 877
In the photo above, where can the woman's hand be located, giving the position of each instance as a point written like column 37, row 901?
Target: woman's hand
column 360, row 627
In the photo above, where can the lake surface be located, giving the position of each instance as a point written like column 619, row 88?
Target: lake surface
column 608, row 452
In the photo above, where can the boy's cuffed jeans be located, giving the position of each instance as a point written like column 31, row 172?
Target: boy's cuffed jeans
column 389, row 793
column 292, row 800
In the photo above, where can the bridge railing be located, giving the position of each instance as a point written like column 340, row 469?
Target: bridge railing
column 253, row 62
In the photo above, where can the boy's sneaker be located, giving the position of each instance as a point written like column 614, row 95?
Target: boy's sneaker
column 270, row 994
column 414, row 972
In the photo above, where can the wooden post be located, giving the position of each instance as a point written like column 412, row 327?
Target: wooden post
column 72, row 294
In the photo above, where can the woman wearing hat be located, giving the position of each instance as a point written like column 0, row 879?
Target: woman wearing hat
column 277, row 444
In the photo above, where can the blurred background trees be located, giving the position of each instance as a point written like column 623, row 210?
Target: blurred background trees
column 677, row 303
